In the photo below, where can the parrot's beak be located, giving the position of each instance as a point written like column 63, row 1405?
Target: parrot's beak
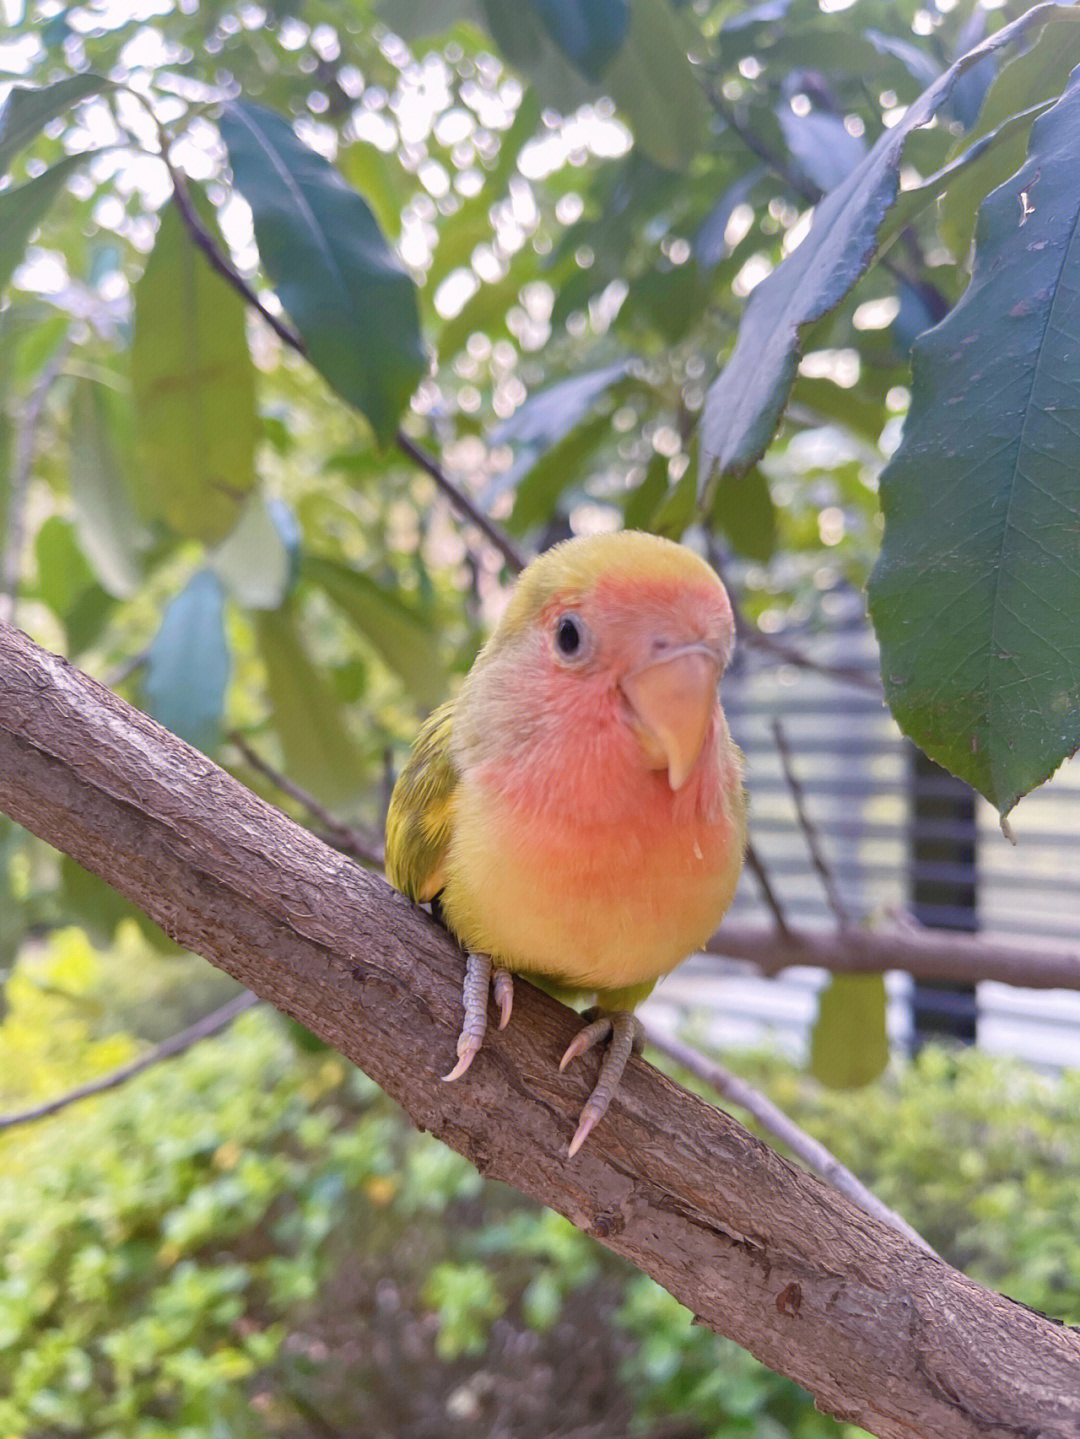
column 672, row 698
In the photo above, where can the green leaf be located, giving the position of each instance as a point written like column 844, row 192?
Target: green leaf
column 22, row 209
column 653, row 83
column 976, row 595
column 588, row 32
column 744, row 511
column 849, row 1046
column 1040, row 73
column 111, row 534
column 193, row 383
column 346, row 291
column 744, row 404
column 188, row 663
column 679, row 508
column 66, row 584
column 642, row 503
column 560, row 468
column 549, row 414
column 254, row 563
column 403, row 637
column 26, row 112
column 318, row 748
column 63, row 573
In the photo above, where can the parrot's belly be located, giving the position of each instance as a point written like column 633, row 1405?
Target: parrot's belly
column 601, row 906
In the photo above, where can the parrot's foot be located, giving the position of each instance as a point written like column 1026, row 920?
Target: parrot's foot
column 478, row 977
column 626, row 1037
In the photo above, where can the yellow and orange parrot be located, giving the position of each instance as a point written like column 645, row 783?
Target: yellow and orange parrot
column 578, row 809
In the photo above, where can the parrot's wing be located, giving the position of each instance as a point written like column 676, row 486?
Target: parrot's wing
column 420, row 817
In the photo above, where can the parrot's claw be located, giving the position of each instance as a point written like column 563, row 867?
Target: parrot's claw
column 478, row 978
column 625, row 1034
column 503, row 984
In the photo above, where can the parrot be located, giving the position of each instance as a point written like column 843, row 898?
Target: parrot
column 577, row 812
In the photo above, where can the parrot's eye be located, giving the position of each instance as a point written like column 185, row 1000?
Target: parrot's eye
column 571, row 637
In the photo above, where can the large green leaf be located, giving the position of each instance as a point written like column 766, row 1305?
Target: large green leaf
column 23, row 207
column 111, row 534
column 26, row 112
column 404, row 638
column 976, row 596
column 188, row 663
column 849, row 1045
column 1039, row 73
column 744, row 404
column 193, row 384
column 653, row 83
column 346, row 291
column 318, row 748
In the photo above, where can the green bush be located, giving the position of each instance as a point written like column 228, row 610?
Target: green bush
column 250, row 1240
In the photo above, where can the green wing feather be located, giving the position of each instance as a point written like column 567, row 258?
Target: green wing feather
column 420, row 818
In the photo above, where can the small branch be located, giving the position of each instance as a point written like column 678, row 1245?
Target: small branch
column 25, row 446
column 775, row 1122
column 930, row 954
column 751, row 634
column 791, row 655
column 409, row 447
column 342, row 836
column 771, row 898
column 224, row 267
column 203, row 1028
column 461, row 502
column 810, row 834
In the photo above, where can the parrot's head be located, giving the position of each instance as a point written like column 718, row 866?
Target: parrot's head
column 611, row 645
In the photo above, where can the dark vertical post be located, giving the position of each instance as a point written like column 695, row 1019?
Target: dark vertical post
column 942, row 887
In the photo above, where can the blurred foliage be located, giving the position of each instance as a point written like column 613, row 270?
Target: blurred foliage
column 251, row 1240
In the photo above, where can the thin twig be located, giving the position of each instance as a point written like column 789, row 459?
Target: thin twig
column 25, row 447
column 338, row 834
column 771, row 898
column 775, row 1122
column 208, row 245
column 750, row 634
column 792, row 655
column 839, row 909
column 203, row 1028
column 461, row 502
column 408, row 446
column 124, row 671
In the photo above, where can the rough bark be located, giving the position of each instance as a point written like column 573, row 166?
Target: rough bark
column 883, row 1335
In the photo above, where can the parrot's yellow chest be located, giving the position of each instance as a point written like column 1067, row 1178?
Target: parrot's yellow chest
column 591, row 905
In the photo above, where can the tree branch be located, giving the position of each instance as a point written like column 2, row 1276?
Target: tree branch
column 212, row 1023
column 775, row 1122
column 924, row 954
column 345, row 837
column 883, row 1334
column 810, row 834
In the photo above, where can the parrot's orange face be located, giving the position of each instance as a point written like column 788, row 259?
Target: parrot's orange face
column 606, row 672
column 645, row 654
